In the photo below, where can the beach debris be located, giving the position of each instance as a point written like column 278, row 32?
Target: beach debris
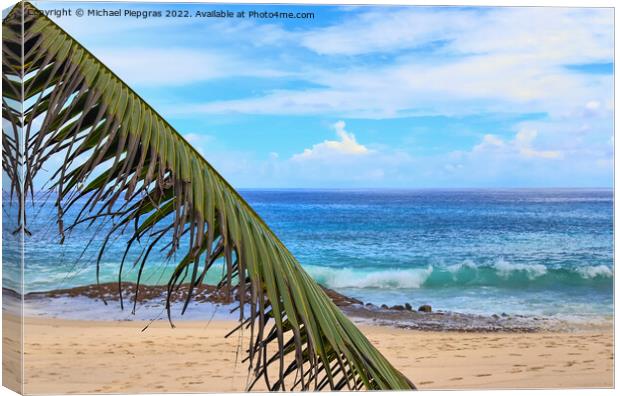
column 425, row 308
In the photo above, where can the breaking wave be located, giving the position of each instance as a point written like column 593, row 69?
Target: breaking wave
column 501, row 273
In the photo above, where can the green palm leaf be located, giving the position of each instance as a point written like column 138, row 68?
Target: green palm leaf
column 122, row 161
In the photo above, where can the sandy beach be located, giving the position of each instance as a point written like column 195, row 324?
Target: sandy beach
column 73, row 356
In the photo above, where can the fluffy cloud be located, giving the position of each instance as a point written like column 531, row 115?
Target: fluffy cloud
column 523, row 142
column 528, row 158
column 575, row 151
column 463, row 62
column 334, row 149
column 521, row 145
column 345, row 162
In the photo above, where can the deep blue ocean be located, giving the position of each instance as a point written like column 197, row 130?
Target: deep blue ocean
column 544, row 252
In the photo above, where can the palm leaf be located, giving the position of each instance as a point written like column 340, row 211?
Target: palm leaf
column 122, row 162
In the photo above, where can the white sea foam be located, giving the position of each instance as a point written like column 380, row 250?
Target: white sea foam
column 383, row 279
column 502, row 267
column 594, row 271
column 505, row 268
column 466, row 264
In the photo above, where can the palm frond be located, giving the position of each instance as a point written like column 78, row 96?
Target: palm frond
column 122, row 161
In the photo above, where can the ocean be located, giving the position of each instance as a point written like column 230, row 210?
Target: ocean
column 538, row 252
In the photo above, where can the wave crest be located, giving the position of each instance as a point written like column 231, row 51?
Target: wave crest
column 350, row 278
column 595, row 271
column 500, row 273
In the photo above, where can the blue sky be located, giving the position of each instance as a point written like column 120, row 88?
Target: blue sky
column 400, row 97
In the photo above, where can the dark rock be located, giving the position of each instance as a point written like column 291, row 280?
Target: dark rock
column 397, row 308
column 408, row 307
column 495, row 316
column 425, row 308
column 369, row 304
column 384, row 306
column 504, row 314
column 339, row 299
column 201, row 293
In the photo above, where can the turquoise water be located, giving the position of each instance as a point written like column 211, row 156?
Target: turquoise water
column 537, row 252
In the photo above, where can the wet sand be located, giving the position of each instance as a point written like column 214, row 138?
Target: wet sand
column 87, row 303
column 65, row 356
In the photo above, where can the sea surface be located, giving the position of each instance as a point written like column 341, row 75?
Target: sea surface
column 539, row 252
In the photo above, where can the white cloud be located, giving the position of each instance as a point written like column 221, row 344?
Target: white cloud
column 172, row 66
column 556, row 35
column 385, row 31
column 523, row 142
column 334, row 149
column 470, row 85
column 345, row 162
column 521, row 145
column 471, row 62
column 489, row 142
column 332, row 163
column 536, row 155
column 540, row 153
column 565, row 34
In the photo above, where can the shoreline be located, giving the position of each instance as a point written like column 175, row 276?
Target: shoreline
column 93, row 302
